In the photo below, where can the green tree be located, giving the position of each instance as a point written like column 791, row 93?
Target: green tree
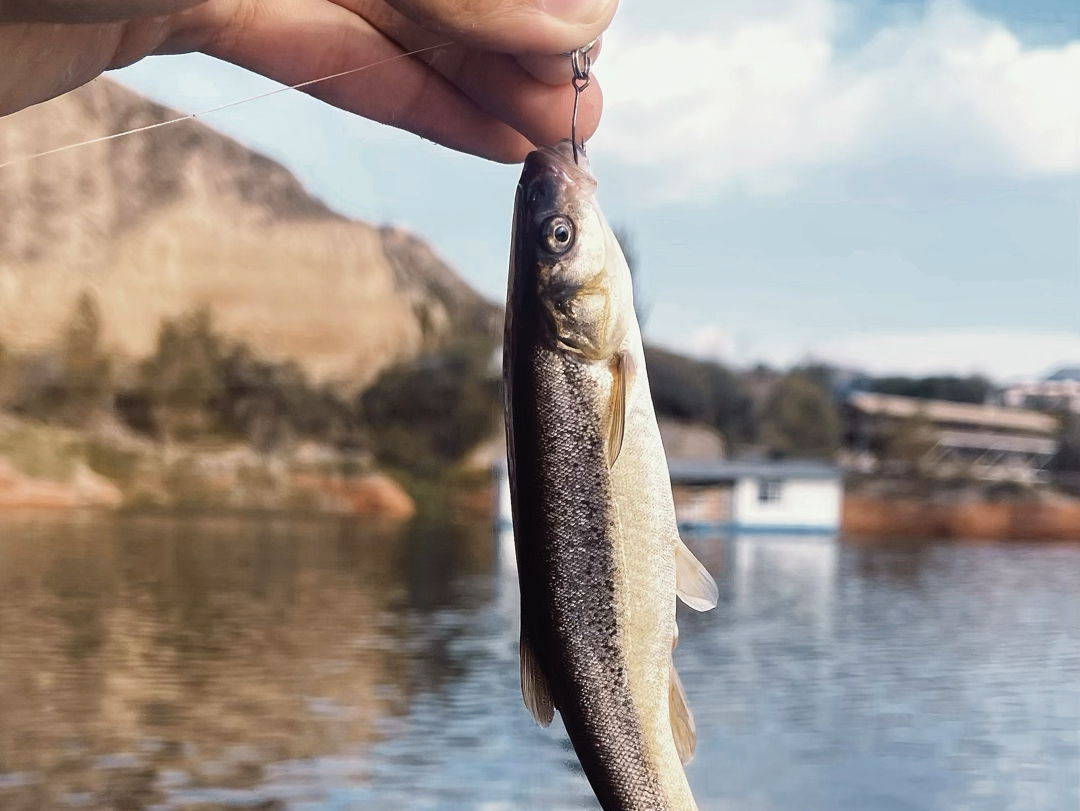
column 427, row 414
column 86, row 378
column 826, row 377
column 699, row 391
column 197, row 384
column 73, row 383
column 908, row 443
column 180, row 380
column 799, row 419
column 270, row 403
column 974, row 389
column 7, row 376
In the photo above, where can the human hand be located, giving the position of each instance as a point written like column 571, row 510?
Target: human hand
column 501, row 86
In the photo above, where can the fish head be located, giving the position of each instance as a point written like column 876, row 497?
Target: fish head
column 582, row 282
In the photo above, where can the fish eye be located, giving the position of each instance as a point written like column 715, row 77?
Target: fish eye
column 557, row 234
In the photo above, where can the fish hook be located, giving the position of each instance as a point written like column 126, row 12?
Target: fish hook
column 582, row 66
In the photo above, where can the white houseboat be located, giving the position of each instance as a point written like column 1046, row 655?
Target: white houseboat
column 740, row 496
column 761, row 496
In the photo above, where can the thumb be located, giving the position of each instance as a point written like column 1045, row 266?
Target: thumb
column 518, row 27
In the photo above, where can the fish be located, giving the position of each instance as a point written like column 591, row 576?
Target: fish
column 599, row 557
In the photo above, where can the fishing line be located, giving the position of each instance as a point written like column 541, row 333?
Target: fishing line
column 193, row 116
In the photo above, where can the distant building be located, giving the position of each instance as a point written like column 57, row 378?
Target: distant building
column 1059, row 392
column 957, row 439
column 757, row 496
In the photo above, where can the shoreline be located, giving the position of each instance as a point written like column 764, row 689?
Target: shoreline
column 978, row 519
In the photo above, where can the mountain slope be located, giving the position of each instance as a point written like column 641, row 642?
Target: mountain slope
column 161, row 222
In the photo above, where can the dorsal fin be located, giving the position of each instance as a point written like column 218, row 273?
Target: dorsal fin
column 693, row 583
column 534, row 687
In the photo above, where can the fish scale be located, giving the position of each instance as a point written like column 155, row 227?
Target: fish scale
column 581, row 641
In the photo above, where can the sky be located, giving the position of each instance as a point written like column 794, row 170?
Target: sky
column 892, row 185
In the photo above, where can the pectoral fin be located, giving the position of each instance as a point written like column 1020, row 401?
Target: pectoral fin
column 682, row 722
column 693, row 583
column 534, row 687
column 622, row 373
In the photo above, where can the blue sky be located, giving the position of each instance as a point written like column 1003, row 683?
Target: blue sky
column 893, row 185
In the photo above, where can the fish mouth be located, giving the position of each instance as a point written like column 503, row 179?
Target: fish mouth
column 557, row 163
column 563, row 152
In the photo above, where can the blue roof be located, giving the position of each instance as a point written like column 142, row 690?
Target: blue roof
column 694, row 471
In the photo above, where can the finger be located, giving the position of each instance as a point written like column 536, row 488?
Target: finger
column 503, row 89
column 514, row 26
column 293, row 41
column 495, row 82
column 43, row 62
column 88, row 11
column 554, row 69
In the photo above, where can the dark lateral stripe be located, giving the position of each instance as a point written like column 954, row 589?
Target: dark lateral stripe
column 564, row 524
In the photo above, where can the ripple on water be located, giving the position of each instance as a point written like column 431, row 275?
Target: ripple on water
column 178, row 663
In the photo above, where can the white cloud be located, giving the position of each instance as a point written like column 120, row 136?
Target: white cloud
column 1003, row 355
column 711, row 341
column 760, row 101
column 999, row 354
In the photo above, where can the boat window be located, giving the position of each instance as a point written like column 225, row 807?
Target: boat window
column 770, row 491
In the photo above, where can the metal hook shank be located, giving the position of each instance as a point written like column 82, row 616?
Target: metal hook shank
column 582, row 66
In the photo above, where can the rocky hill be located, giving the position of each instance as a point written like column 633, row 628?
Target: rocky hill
column 158, row 223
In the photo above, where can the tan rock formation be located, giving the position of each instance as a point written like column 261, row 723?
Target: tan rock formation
column 161, row 222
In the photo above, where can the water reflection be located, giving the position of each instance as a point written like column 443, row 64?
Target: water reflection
column 154, row 662
column 146, row 654
column 784, row 577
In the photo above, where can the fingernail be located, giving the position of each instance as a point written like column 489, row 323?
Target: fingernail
column 588, row 12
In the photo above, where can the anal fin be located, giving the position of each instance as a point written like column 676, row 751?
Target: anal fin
column 693, row 583
column 534, row 687
column 682, row 721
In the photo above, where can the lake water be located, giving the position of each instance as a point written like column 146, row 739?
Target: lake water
column 211, row 663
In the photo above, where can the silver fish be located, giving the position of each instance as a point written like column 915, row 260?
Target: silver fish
column 600, row 561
